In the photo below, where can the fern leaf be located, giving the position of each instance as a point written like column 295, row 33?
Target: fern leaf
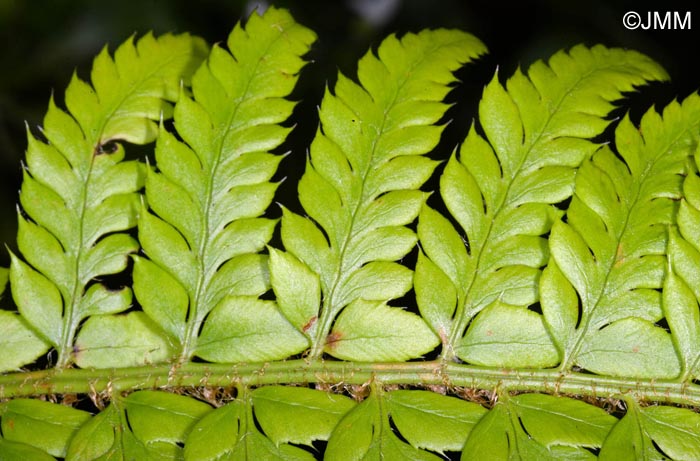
column 134, row 428
column 78, row 195
column 365, row 433
column 203, row 230
column 610, row 252
column 20, row 343
column 230, row 432
column 427, row 421
column 57, row 425
column 681, row 290
column 654, row 432
column 109, row 341
column 542, row 427
column 360, row 190
column 371, row 330
column 500, row 190
column 431, row 421
column 298, row 415
column 15, row 450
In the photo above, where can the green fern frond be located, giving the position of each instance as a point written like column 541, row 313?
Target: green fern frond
column 207, row 192
column 78, row 195
column 359, row 190
column 500, row 190
column 609, row 256
column 653, row 432
column 231, row 432
column 681, row 290
column 375, row 436
column 313, row 414
column 538, row 427
column 223, row 355
column 21, row 342
column 426, row 421
column 57, row 425
column 131, row 428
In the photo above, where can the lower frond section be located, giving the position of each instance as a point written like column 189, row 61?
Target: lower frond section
column 371, row 420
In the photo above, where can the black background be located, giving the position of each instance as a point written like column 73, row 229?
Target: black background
column 43, row 41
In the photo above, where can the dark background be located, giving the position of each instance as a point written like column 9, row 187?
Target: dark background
column 43, row 41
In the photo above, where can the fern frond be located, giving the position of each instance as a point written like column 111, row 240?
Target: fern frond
column 538, row 427
column 57, row 425
column 359, row 190
column 286, row 415
column 365, row 432
column 203, row 231
column 681, row 290
column 132, row 428
column 653, row 432
column 19, row 342
column 427, row 422
column 609, row 256
column 563, row 272
column 231, row 432
column 78, row 195
column 298, row 415
column 500, row 190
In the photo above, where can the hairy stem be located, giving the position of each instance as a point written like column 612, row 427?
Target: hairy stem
column 435, row 373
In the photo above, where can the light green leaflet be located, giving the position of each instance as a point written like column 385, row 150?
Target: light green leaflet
column 203, row 230
column 500, row 190
column 609, row 256
column 360, row 189
column 78, row 195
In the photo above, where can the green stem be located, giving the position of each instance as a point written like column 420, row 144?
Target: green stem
column 435, row 373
